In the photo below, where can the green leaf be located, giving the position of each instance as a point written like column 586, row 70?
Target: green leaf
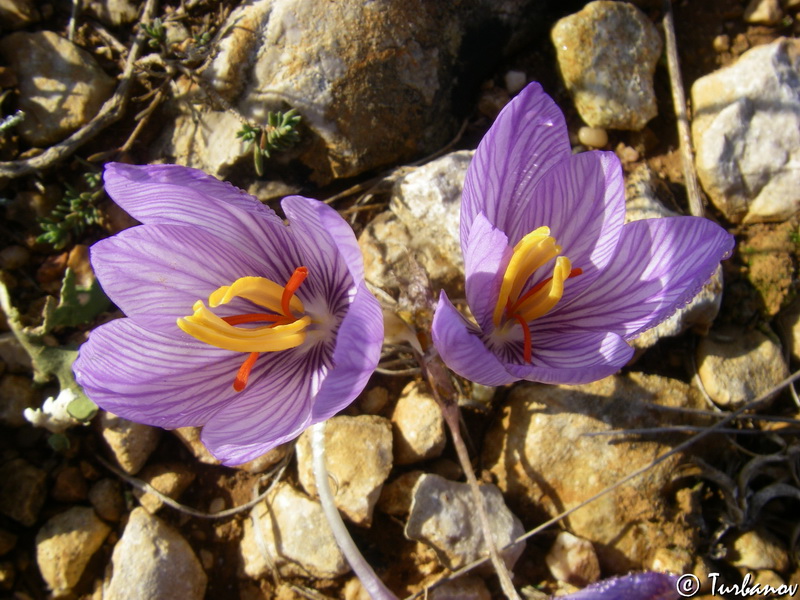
column 78, row 305
column 82, row 408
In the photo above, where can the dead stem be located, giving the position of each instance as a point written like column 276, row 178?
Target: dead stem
column 679, row 102
column 111, row 111
column 446, row 396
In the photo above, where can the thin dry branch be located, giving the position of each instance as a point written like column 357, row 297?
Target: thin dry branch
column 111, row 112
column 679, row 102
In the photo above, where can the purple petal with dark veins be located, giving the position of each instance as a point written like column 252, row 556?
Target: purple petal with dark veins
column 528, row 138
column 636, row 586
column 458, row 343
column 357, row 351
column 155, row 273
column 146, row 377
column 660, row 266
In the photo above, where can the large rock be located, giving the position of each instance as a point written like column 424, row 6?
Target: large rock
column 443, row 516
column 61, row 86
column 293, row 535
column 545, row 463
column 607, row 54
column 375, row 82
column 152, row 560
column 358, row 456
column 746, row 130
column 65, row 544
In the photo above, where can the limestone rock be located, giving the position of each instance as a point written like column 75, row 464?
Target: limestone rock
column 113, row 12
column 573, row 560
column 358, row 455
column 763, row 12
column 607, row 54
column 468, row 587
column 545, row 464
column 396, row 495
column 61, row 86
column 65, row 544
column 789, row 325
column 756, row 550
column 22, row 490
column 423, row 220
column 152, row 560
column 443, row 516
column 169, row 479
column 642, row 201
column 294, row 535
column 746, row 132
column 736, row 366
column 130, row 443
column 106, row 498
column 418, row 426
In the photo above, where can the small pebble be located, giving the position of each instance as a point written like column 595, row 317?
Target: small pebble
column 515, row 81
column 13, row 257
column 627, row 154
column 217, row 505
column 722, row 43
column 596, row 137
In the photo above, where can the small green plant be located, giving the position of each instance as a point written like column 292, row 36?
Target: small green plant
column 156, row 34
column 75, row 212
column 280, row 133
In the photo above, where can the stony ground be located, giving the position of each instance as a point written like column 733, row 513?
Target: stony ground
column 729, row 505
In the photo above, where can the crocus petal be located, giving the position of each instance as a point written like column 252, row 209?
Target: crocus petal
column 458, row 343
column 357, row 351
column 660, row 266
column 582, row 200
column 146, row 377
column 636, row 586
column 324, row 234
column 276, row 408
column 528, row 137
column 155, row 273
column 573, row 358
column 485, row 258
column 176, row 195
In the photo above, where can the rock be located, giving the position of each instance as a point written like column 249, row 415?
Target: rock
column 169, row 479
column 746, row 132
column 768, row 251
column 594, row 137
column 61, row 86
column 375, row 84
column 756, row 550
column 190, row 436
column 113, row 13
column 642, row 202
column 417, row 425
column 373, row 401
column 443, row 516
column 13, row 354
column 736, row 366
column 396, row 495
column 14, row 257
column 423, row 220
column 763, row 12
column 16, row 394
column 545, row 463
column 65, row 544
column 607, row 54
column 69, row 485
column 358, row 455
column 15, row 14
column 152, row 560
column 573, row 560
column 294, row 535
column 22, row 490
column 468, row 587
column 106, row 498
column 671, row 560
column 130, row 443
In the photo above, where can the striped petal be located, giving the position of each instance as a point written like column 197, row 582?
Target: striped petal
column 660, row 265
column 460, row 345
column 527, row 139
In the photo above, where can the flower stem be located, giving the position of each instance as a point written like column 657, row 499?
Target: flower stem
column 374, row 586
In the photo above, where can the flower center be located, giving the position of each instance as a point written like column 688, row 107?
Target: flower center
column 284, row 329
column 532, row 252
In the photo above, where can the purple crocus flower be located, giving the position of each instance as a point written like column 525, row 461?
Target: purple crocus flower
column 241, row 324
column 555, row 280
column 636, row 586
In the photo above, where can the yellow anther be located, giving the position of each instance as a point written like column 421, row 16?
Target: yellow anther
column 544, row 299
column 259, row 290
